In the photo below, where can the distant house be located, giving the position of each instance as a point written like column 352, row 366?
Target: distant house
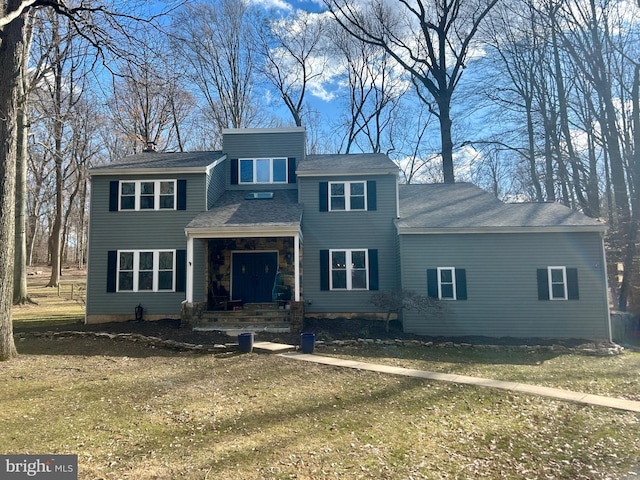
column 262, row 224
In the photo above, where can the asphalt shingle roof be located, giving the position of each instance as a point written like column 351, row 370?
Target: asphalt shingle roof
column 162, row 160
column 233, row 210
column 466, row 206
column 338, row 164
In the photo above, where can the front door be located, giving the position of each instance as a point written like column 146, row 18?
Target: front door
column 253, row 274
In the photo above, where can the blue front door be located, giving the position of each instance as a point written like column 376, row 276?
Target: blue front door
column 253, row 274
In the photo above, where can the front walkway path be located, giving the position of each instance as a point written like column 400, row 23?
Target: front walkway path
column 557, row 393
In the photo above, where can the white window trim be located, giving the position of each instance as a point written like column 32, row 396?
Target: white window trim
column 349, row 268
column 255, row 171
column 564, row 283
column 347, row 196
column 136, row 270
column 156, row 195
column 453, row 281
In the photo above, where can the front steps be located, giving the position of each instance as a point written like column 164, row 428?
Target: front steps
column 250, row 318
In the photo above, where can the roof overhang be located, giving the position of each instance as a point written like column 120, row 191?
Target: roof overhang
column 245, row 231
column 500, row 230
column 166, row 171
column 318, row 173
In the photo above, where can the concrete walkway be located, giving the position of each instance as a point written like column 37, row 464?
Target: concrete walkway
column 557, row 393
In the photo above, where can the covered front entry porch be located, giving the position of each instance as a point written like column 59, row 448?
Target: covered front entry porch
column 251, row 283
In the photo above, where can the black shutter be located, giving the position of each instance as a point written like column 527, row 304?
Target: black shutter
column 114, row 190
column 291, row 167
column 461, row 284
column 182, row 195
column 372, row 203
column 543, row 284
column 432, row 283
column 112, row 268
column 324, row 269
column 323, row 196
column 373, row 269
column 181, row 270
column 233, row 166
column 572, row 284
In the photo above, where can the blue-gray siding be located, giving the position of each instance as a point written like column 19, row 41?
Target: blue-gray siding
column 347, row 230
column 502, row 284
column 138, row 231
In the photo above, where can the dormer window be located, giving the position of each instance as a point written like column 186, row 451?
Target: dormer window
column 262, row 170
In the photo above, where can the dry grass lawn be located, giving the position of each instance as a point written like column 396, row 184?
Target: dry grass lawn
column 132, row 412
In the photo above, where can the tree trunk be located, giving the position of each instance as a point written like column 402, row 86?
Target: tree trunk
column 444, row 116
column 10, row 61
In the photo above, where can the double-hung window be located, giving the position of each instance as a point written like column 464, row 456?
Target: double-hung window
column 263, row 170
column 557, row 283
column 349, row 270
column 146, row 270
column 447, row 283
column 148, row 195
column 347, row 196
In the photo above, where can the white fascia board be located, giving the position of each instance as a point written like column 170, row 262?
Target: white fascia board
column 157, row 171
column 249, row 131
column 486, row 230
column 217, row 232
column 346, row 174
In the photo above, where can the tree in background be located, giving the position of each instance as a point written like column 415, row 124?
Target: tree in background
column 431, row 39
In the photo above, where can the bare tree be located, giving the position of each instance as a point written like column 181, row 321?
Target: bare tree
column 214, row 41
column 431, row 39
column 292, row 57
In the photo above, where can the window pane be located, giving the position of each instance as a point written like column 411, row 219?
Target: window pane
column 263, row 170
column 146, row 188
column 357, row 189
column 446, row 276
column 337, row 203
column 246, row 171
column 557, row 289
column 556, row 275
column 447, row 291
column 358, row 259
column 128, row 188
column 359, row 279
column 339, row 279
column 339, row 260
column 166, row 261
column 166, row 201
column 165, row 280
column 145, row 281
column 146, row 203
column 126, row 260
column 127, row 203
column 357, row 203
column 280, row 170
column 166, row 188
column 337, row 189
column 125, row 281
column 146, row 261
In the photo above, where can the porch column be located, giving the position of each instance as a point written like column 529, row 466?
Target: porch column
column 189, row 284
column 296, row 265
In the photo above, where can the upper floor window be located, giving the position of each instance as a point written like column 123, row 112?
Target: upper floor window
column 148, row 195
column 263, row 170
column 150, row 271
column 347, row 196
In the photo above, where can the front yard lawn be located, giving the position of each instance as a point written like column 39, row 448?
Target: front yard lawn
column 133, row 412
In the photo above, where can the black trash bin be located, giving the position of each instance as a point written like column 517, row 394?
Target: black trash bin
column 307, row 342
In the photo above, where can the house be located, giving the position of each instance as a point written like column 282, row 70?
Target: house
column 260, row 223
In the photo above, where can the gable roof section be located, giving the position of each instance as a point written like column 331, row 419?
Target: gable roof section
column 346, row 164
column 161, row 162
column 465, row 208
column 234, row 214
